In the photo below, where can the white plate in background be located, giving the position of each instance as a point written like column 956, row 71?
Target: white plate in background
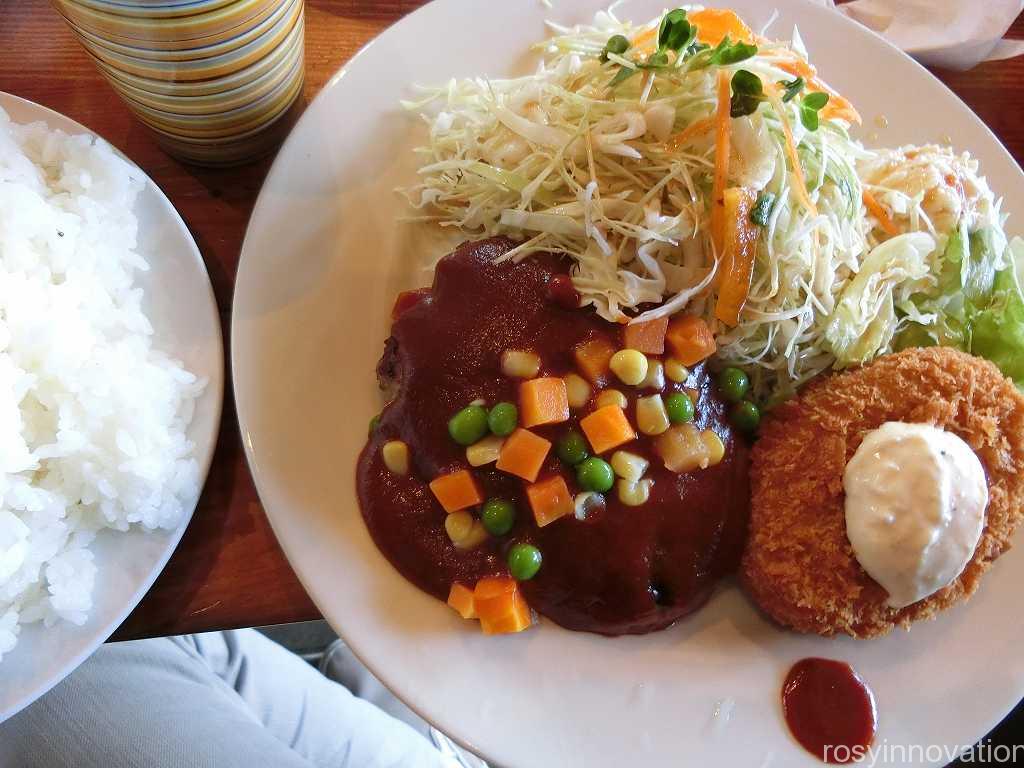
column 322, row 261
column 180, row 305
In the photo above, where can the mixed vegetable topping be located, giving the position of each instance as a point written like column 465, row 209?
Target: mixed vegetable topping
column 597, row 426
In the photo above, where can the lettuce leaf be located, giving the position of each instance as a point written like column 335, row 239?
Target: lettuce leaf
column 864, row 321
column 978, row 304
column 997, row 332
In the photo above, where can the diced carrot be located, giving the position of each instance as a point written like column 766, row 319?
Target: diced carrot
column 723, row 122
column 876, row 209
column 607, row 428
column 407, row 300
column 648, row 337
column 689, row 133
column 523, row 454
column 689, row 339
column 549, row 499
column 501, row 606
column 592, row 357
column 738, row 257
column 456, row 490
column 460, row 597
column 713, row 24
column 543, row 401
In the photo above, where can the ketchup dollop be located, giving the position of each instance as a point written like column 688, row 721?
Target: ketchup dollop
column 829, row 709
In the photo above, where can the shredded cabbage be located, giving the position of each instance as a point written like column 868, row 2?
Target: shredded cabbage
column 562, row 162
column 864, row 320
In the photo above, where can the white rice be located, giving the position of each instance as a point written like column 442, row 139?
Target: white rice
column 92, row 418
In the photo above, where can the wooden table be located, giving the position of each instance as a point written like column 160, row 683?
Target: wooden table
column 228, row 570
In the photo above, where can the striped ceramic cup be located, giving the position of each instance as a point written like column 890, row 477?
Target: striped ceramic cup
column 214, row 79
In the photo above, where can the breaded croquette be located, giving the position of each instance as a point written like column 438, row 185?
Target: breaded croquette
column 799, row 566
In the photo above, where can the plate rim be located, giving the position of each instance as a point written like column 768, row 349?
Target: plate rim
column 215, row 383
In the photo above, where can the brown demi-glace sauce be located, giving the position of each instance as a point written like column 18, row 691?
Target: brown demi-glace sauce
column 829, row 709
column 621, row 570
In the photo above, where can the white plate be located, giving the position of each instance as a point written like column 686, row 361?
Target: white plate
column 180, row 305
column 322, row 261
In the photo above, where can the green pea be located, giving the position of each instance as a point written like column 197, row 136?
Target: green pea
column 733, row 384
column 572, row 448
column 657, row 59
column 503, row 419
column 679, row 407
column 595, row 474
column 746, row 416
column 374, row 423
column 524, row 561
column 498, row 516
column 617, row 44
column 468, row 425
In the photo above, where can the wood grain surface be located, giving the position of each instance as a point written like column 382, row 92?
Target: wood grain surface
column 228, row 570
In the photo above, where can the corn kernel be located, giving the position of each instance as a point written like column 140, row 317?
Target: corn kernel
column 464, row 530
column 577, row 389
column 480, row 402
column 715, row 446
column 396, row 457
column 655, row 378
column 651, row 416
column 477, row 535
column 676, row 371
column 633, row 494
column 519, row 365
column 629, row 466
column 484, row 451
column 611, row 397
column 458, row 525
column 587, row 503
column 629, row 365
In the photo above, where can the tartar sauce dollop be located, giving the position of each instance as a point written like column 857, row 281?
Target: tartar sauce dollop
column 915, row 508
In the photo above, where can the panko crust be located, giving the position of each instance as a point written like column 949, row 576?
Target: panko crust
column 798, row 565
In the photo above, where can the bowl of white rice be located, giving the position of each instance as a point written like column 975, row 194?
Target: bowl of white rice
column 111, row 382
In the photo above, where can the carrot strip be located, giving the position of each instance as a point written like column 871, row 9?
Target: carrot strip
column 794, row 158
column 876, row 209
column 694, row 130
column 722, row 125
column 740, row 247
column 715, row 24
column 645, row 37
column 838, row 105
